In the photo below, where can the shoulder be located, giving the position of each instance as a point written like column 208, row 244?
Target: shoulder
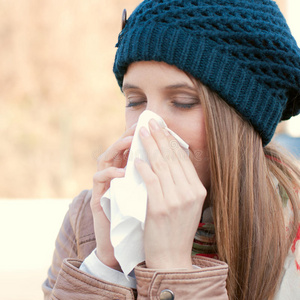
column 81, row 220
column 79, row 206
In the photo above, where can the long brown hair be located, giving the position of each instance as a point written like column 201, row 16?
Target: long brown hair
column 248, row 211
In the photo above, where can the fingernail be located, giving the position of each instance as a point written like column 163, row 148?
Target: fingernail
column 120, row 171
column 153, row 124
column 144, row 132
column 129, row 137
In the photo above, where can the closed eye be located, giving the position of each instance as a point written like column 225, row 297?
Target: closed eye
column 185, row 102
column 184, row 105
column 136, row 103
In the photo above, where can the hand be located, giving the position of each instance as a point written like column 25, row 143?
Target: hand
column 109, row 165
column 175, row 200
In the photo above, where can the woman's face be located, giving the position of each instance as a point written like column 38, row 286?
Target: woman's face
column 170, row 93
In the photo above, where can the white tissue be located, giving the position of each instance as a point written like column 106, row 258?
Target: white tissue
column 125, row 202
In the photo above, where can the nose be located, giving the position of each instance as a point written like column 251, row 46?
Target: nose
column 160, row 110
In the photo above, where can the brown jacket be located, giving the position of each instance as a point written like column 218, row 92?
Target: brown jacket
column 76, row 240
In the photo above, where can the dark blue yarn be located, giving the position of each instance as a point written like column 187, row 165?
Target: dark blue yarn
column 241, row 49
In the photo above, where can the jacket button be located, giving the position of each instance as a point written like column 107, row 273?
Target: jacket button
column 124, row 18
column 166, row 295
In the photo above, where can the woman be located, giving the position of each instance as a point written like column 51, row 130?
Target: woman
column 222, row 74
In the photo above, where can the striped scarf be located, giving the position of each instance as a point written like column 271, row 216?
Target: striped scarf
column 205, row 241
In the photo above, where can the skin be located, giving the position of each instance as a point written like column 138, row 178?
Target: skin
column 177, row 184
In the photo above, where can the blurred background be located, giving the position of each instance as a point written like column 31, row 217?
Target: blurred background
column 60, row 108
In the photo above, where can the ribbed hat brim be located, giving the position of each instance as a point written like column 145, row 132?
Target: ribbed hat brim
column 213, row 67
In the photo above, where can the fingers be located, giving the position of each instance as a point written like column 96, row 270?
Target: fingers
column 158, row 163
column 174, row 153
column 116, row 154
column 110, row 165
column 101, row 183
column 165, row 179
column 153, row 185
column 170, row 150
column 165, row 154
column 174, row 204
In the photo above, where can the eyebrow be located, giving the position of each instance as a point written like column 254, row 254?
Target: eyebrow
column 180, row 86
column 128, row 86
column 177, row 86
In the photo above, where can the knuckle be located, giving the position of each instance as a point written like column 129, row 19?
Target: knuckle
column 102, row 160
column 188, row 199
column 191, row 196
column 168, row 154
column 201, row 191
column 174, row 207
column 152, row 180
column 96, row 177
column 157, row 212
column 159, row 165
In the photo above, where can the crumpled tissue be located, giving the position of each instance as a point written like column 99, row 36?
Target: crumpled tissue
column 125, row 202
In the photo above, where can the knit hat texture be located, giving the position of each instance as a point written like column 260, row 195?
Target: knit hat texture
column 241, row 49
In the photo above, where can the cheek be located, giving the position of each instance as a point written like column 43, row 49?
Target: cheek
column 131, row 117
column 197, row 138
column 199, row 152
column 193, row 133
column 200, row 160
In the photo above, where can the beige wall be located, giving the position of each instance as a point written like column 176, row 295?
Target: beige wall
column 60, row 106
column 282, row 5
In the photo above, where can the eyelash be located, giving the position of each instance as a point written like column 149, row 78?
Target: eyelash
column 134, row 104
column 176, row 104
column 184, row 105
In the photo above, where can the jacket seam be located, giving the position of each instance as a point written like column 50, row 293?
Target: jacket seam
column 79, row 211
column 187, row 278
column 182, row 273
column 86, row 241
column 95, row 279
column 90, row 234
column 105, row 292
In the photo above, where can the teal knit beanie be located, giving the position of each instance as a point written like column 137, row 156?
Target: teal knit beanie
column 241, row 49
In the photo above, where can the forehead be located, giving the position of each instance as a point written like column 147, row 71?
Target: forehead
column 152, row 72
